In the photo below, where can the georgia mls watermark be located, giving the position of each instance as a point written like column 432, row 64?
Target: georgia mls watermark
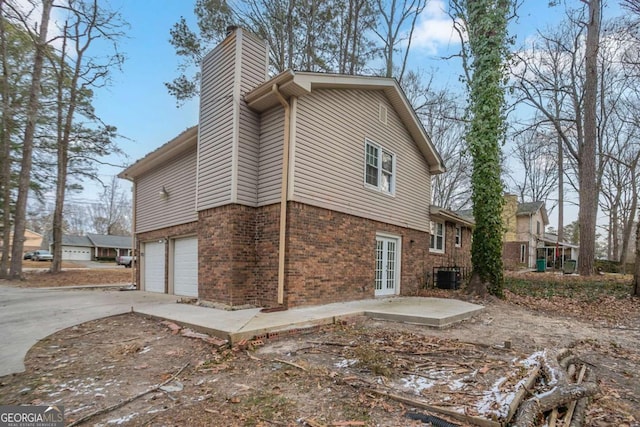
column 31, row 416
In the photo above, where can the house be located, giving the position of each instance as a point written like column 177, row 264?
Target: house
column 525, row 240
column 94, row 247
column 32, row 242
column 301, row 189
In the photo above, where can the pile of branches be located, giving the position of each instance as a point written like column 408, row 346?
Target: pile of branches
column 561, row 393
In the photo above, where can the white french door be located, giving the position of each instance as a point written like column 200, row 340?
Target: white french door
column 387, row 266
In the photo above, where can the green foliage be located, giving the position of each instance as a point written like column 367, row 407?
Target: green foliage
column 486, row 22
column 308, row 35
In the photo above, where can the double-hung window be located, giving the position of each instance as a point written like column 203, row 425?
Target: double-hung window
column 458, row 236
column 379, row 168
column 437, row 237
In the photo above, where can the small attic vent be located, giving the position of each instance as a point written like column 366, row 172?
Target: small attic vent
column 382, row 114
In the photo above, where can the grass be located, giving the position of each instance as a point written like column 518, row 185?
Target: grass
column 585, row 289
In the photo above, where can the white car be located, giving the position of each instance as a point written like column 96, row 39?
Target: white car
column 42, row 255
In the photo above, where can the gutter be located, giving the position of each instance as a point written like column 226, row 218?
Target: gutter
column 283, row 192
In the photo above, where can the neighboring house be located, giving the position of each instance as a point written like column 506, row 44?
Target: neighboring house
column 525, row 240
column 75, row 248
column 301, row 189
column 94, row 247
column 32, row 242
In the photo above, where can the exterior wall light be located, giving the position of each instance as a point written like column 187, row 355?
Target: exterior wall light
column 164, row 194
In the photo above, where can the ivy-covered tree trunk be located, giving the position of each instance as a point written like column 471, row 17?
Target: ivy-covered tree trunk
column 636, row 276
column 487, row 30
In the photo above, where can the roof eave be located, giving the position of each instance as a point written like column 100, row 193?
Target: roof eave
column 292, row 83
column 451, row 216
column 178, row 145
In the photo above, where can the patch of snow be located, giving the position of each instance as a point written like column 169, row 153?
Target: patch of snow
column 174, row 386
column 417, row 383
column 82, row 408
column 345, row 363
column 123, row 420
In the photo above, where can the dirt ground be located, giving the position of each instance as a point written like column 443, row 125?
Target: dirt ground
column 328, row 377
column 73, row 274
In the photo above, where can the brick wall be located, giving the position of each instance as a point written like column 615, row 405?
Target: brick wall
column 453, row 256
column 226, row 242
column 511, row 255
column 330, row 255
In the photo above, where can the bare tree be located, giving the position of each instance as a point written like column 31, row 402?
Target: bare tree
column 554, row 77
column 397, row 22
column 39, row 37
column 77, row 73
column 537, row 166
column 443, row 119
column 588, row 209
column 111, row 215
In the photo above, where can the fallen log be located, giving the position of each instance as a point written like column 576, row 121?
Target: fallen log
column 572, row 405
column 521, row 393
column 561, row 394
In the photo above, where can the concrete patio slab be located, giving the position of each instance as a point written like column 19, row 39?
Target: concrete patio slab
column 29, row 315
column 434, row 312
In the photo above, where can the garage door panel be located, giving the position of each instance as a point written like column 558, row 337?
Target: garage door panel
column 76, row 253
column 185, row 267
column 154, row 267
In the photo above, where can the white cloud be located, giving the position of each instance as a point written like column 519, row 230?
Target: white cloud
column 434, row 29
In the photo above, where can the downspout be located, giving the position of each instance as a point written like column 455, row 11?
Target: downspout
column 283, row 192
column 134, row 255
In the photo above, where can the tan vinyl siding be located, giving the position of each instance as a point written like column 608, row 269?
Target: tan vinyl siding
column 179, row 179
column 248, row 152
column 270, row 163
column 229, row 131
column 253, row 73
column 329, row 158
column 215, row 139
column 254, row 62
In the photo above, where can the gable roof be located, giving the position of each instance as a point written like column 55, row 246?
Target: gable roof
column 531, row 208
column 82, row 241
column 105, row 241
column 293, row 83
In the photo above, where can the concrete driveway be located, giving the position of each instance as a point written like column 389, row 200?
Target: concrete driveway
column 28, row 315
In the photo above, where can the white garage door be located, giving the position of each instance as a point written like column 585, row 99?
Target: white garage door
column 154, row 267
column 185, row 267
column 76, row 253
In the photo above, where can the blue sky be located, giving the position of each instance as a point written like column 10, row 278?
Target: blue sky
column 138, row 104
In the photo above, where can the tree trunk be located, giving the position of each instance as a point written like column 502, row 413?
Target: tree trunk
column 560, row 190
column 33, row 108
column 5, row 156
column 587, row 167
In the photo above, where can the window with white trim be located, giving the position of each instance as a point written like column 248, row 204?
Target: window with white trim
column 458, row 236
column 437, row 237
column 379, row 168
